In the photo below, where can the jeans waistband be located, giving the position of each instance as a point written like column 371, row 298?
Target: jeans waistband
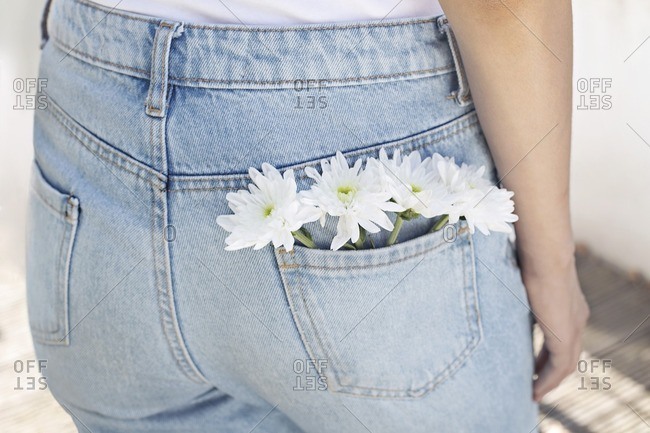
column 243, row 56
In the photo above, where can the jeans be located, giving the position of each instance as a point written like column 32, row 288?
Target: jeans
column 149, row 325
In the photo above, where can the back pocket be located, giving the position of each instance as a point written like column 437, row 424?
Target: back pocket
column 391, row 322
column 51, row 228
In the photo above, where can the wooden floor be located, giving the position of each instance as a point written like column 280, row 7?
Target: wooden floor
column 610, row 393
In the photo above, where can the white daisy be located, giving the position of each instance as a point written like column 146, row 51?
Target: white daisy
column 490, row 210
column 484, row 206
column 413, row 184
column 357, row 197
column 268, row 212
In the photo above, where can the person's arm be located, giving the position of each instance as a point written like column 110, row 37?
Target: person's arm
column 518, row 59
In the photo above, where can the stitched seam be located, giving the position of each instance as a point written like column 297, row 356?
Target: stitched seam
column 43, row 200
column 374, row 265
column 451, row 368
column 73, row 226
column 374, row 148
column 477, row 307
column 216, row 188
column 152, row 146
column 282, row 254
column 167, row 306
column 60, row 271
column 443, row 375
column 320, row 342
column 447, row 68
column 327, row 350
column 98, row 154
column 165, row 59
column 305, row 343
column 465, row 292
column 102, row 149
column 47, row 336
column 163, row 37
column 163, row 290
column 154, row 54
column 162, row 266
column 447, row 130
column 97, row 59
column 161, row 149
column 46, row 332
column 163, row 310
column 50, row 336
column 252, row 29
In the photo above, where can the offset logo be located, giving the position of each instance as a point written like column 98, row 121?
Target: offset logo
column 309, row 374
column 310, row 95
column 594, row 374
column 29, row 374
column 30, row 94
column 593, row 93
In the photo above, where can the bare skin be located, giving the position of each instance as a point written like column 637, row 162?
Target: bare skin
column 518, row 58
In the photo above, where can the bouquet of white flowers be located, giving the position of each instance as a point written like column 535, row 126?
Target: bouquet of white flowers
column 272, row 210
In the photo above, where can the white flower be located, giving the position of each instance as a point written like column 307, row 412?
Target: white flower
column 358, row 197
column 268, row 212
column 458, row 179
column 412, row 183
column 490, row 210
column 484, row 206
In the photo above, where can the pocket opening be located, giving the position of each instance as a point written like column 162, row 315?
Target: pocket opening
column 52, row 226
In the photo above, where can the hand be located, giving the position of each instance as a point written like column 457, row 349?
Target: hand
column 562, row 312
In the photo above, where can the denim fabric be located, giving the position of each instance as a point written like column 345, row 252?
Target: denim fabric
column 148, row 325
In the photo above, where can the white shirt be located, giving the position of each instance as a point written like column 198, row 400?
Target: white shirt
column 277, row 12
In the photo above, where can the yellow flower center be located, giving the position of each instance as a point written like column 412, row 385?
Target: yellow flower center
column 268, row 210
column 345, row 193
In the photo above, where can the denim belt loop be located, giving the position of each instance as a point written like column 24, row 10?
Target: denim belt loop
column 156, row 103
column 462, row 95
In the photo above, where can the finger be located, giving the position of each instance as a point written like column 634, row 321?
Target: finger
column 553, row 372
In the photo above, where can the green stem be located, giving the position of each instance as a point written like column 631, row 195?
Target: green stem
column 304, row 238
column 362, row 238
column 398, row 226
column 440, row 223
column 349, row 246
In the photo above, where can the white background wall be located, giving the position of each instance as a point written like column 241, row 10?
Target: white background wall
column 611, row 164
column 19, row 50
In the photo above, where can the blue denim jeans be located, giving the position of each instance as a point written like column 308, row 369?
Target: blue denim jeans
column 149, row 325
